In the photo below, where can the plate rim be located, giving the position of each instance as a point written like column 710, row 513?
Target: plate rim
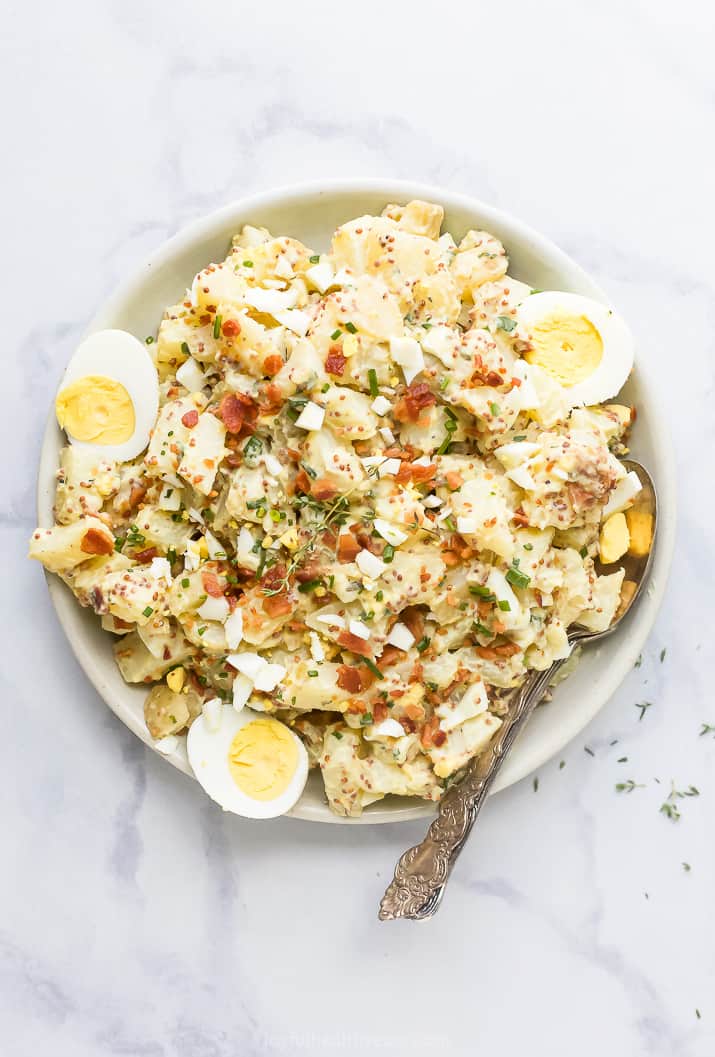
column 212, row 223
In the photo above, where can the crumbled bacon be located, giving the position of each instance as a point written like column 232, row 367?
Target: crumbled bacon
column 417, row 397
column 190, row 418
column 348, row 547
column 323, row 489
column 272, row 365
column 145, row 556
column 277, row 605
column 379, row 712
column 354, row 643
column 414, row 619
column 520, row 518
column 212, row 584
column 95, row 542
column 302, row 482
column 428, row 732
column 388, row 656
column 230, row 328
column 495, row 653
column 416, row 474
column 237, row 412
column 335, row 361
column 349, row 679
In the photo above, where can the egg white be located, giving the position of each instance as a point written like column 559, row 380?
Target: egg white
column 120, row 356
column 617, row 360
column 208, row 755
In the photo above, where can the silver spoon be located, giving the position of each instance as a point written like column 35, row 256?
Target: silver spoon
column 422, row 873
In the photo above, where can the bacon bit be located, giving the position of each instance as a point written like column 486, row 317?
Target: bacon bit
column 428, row 732
column 205, row 319
column 145, row 556
column 495, row 653
column 212, row 584
column 237, row 412
column 450, row 558
column 494, row 379
column 272, row 365
column 166, row 653
column 95, row 542
column 416, row 474
column 379, row 711
column 234, row 459
column 520, row 518
column 273, row 399
column 277, row 605
column 190, row 418
column 417, row 673
column 309, row 570
column 348, row 547
column 425, row 577
column 293, row 454
column 349, row 679
column 454, row 480
column 484, row 608
column 119, row 623
column 388, row 656
column 302, row 482
column 335, row 361
column 405, row 454
column 418, row 396
column 354, row 643
column 414, row 620
column 231, row 328
column 323, row 489
column 438, row 738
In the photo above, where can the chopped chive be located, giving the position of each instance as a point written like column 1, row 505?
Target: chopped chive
column 366, row 719
column 522, row 436
column 481, row 630
column 200, row 631
column 528, row 546
column 443, row 383
column 389, row 553
column 325, row 388
column 309, row 585
column 351, row 328
column 149, row 340
column 517, row 578
column 504, row 605
column 423, row 644
column 482, row 592
column 147, row 612
column 372, row 375
column 506, row 323
column 584, row 552
column 338, row 735
column 494, row 408
column 247, row 264
column 275, row 516
column 312, row 674
column 185, row 582
column 379, row 596
column 315, row 259
column 372, row 667
column 445, row 445
column 217, row 326
column 336, row 334
column 449, row 522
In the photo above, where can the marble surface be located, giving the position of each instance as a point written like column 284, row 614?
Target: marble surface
column 137, row 920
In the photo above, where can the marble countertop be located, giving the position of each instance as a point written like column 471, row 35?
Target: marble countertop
column 137, row 919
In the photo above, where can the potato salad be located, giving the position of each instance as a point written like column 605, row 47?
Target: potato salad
column 340, row 503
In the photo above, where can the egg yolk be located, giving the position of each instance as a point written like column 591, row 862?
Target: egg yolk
column 96, row 409
column 567, row 347
column 262, row 759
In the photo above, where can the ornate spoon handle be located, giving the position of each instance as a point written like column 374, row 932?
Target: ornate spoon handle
column 422, row 873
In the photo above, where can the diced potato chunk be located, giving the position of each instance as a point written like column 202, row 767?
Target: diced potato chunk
column 64, row 546
column 640, row 528
column 165, row 712
column 614, row 539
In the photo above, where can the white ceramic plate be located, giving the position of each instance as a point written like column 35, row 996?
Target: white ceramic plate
column 310, row 213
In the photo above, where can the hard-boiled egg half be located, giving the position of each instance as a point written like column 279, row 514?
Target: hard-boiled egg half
column 109, row 397
column 582, row 344
column 248, row 763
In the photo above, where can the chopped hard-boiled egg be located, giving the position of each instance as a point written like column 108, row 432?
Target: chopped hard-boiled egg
column 582, row 344
column 248, row 763
column 109, row 396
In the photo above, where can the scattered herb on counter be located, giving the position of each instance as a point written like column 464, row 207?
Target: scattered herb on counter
column 687, row 867
column 643, row 706
column 629, row 786
column 536, row 784
column 622, row 759
column 589, row 750
column 562, row 764
column 707, row 728
column 662, row 654
column 639, row 662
